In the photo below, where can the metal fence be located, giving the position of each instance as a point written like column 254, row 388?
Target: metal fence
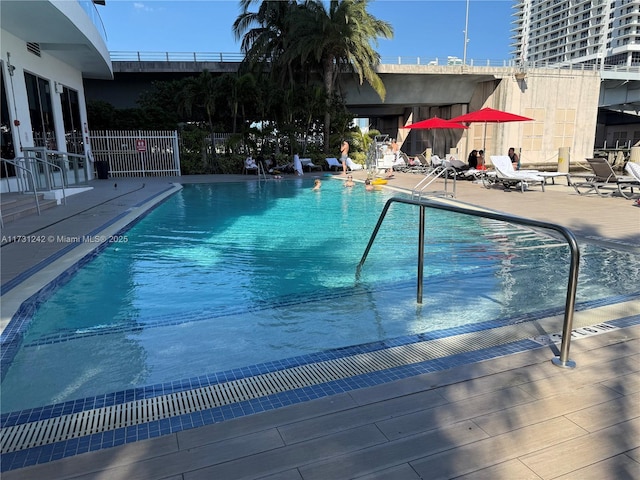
column 228, row 57
column 137, row 153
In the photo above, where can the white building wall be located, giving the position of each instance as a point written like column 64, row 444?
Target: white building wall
column 46, row 67
column 14, row 52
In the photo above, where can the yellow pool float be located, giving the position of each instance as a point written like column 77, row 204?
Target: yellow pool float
column 379, row 181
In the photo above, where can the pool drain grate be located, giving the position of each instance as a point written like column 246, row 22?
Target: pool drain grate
column 89, row 422
column 80, row 424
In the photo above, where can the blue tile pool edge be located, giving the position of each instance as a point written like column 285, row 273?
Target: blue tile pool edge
column 122, row 436
column 14, row 282
column 180, row 385
column 11, row 336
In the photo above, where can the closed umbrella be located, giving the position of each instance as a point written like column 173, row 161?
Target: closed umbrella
column 433, row 124
column 489, row 115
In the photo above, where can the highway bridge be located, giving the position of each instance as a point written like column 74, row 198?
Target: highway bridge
column 134, row 70
column 418, row 88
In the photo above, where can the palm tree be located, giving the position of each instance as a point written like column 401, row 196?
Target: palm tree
column 199, row 92
column 264, row 33
column 336, row 40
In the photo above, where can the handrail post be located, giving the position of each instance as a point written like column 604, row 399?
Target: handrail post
column 420, row 254
column 567, row 327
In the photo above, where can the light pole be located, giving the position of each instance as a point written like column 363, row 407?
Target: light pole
column 466, row 35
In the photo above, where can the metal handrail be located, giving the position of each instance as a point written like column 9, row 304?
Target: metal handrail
column 33, row 180
column 141, row 56
column 72, row 157
column 261, row 171
column 51, row 164
column 432, row 176
column 563, row 359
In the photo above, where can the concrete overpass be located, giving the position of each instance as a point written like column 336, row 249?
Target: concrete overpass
column 417, row 91
column 134, row 71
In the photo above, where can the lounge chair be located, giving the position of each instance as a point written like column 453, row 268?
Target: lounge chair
column 250, row 166
column 605, row 182
column 333, row 164
column 284, row 168
column 420, row 164
column 509, row 177
column 404, row 163
column 399, row 163
column 546, row 175
column 308, row 164
column 633, row 169
column 351, row 165
column 460, row 169
column 436, row 162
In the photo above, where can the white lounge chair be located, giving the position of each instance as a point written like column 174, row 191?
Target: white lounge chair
column 509, row 177
column 250, row 165
column 351, row 165
column 633, row 169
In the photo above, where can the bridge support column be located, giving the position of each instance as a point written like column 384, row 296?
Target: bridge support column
column 563, row 159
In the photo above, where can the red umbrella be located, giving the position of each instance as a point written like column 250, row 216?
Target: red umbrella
column 434, row 123
column 489, row 115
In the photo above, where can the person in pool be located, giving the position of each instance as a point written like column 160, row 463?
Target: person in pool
column 349, row 181
column 367, row 185
column 317, row 184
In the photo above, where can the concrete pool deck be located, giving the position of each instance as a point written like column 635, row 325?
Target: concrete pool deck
column 512, row 417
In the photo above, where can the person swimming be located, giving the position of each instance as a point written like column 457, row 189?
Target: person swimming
column 349, row 182
column 367, row 185
column 317, row 184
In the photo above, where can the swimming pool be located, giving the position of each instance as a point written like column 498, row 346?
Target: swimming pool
column 229, row 275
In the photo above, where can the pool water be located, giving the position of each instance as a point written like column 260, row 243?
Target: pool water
column 223, row 276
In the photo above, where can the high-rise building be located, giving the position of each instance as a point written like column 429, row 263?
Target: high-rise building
column 577, row 31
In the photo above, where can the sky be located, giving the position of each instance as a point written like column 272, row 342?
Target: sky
column 422, row 28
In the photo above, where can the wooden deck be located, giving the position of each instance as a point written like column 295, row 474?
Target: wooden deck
column 513, row 417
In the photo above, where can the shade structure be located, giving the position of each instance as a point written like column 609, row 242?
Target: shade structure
column 433, row 124
column 489, row 115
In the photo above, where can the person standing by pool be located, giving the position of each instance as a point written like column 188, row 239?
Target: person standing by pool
column 395, row 149
column 344, row 154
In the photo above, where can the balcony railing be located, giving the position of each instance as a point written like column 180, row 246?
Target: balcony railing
column 92, row 12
